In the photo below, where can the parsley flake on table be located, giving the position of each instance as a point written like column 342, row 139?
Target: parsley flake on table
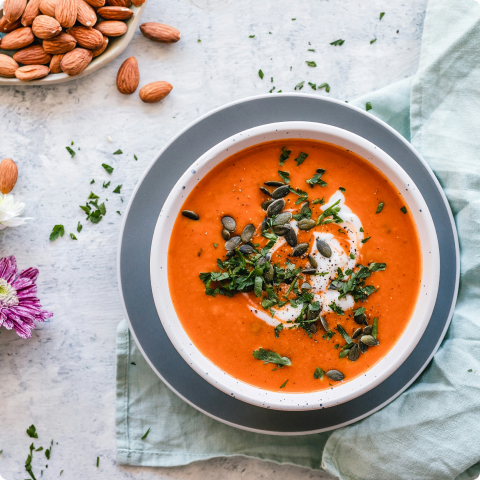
column 71, row 152
column 79, row 227
column 118, row 152
column 310, row 63
column 135, row 157
column 324, row 85
column 108, row 168
column 260, row 74
column 31, row 430
column 118, row 211
column 92, row 196
column 267, row 356
column 373, row 41
column 313, row 85
column 57, row 231
column 382, row 14
column 98, row 462
column 299, row 86
column 368, row 106
column 117, row 190
column 93, row 181
column 106, row 184
column 251, row 36
column 338, row 42
column 311, row 49
column 198, row 40
column 73, row 237
column 146, row 434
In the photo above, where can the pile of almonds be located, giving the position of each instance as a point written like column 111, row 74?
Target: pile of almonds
column 54, row 36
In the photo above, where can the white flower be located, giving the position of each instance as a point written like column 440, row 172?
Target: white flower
column 10, row 212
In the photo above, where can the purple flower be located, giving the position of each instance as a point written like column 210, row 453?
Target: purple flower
column 19, row 306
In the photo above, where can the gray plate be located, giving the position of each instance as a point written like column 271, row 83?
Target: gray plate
column 137, row 233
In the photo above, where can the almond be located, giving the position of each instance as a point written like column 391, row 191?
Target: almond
column 115, row 13
column 138, row 3
column 7, row 66
column 86, row 37
column 128, row 76
column 46, row 27
column 32, row 72
column 112, row 28
column 158, row 32
column 8, row 175
column 96, row 3
column 20, row 38
column 154, row 92
column 13, row 9
column 86, row 14
column 76, row 61
column 100, row 50
column 119, row 3
column 31, row 12
column 6, row 27
column 47, row 7
column 62, row 43
column 66, row 12
column 55, row 63
column 34, row 55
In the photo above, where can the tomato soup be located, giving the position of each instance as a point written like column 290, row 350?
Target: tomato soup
column 294, row 265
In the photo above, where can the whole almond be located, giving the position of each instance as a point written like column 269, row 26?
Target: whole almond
column 34, row 55
column 115, row 13
column 66, row 12
column 96, row 3
column 7, row 66
column 76, row 61
column 112, row 28
column 20, row 38
column 119, row 3
column 46, row 27
column 62, row 43
column 8, row 175
column 100, row 50
column 6, row 27
column 154, row 92
column 86, row 14
column 31, row 12
column 158, row 32
column 32, row 72
column 86, row 37
column 55, row 63
column 138, row 3
column 47, row 7
column 13, row 9
column 128, row 76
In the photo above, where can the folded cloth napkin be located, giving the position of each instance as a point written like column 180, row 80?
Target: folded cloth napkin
column 432, row 430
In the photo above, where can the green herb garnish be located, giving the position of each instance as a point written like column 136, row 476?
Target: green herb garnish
column 319, row 373
column 382, row 15
column 301, row 158
column 352, row 256
column 31, row 430
column 135, row 157
column 73, row 237
column 355, row 285
column 341, row 189
column 380, row 207
column 375, row 327
column 93, row 181
column 344, row 334
column 313, row 85
column 251, row 36
column 285, row 176
column 338, row 42
column 118, row 152
column 403, row 209
column 284, row 155
column 71, row 152
column 117, row 190
column 285, row 382
column 359, row 311
column 267, row 356
column 373, row 41
column 368, row 106
column 317, row 179
column 326, row 86
column 365, row 240
column 302, row 196
column 299, row 86
column 145, row 435
column 321, row 201
column 260, row 74
column 98, row 462
column 108, row 168
column 310, row 63
column 106, row 185
column 336, row 308
column 92, row 196
column 278, row 329
column 331, row 211
column 57, row 231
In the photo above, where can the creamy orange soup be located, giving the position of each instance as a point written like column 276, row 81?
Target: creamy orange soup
column 311, row 312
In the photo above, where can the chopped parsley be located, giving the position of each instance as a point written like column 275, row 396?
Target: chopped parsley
column 352, row 256
column 267, row 356
column 278, row 329
column 117, row 190
column 301, row 158
column 368, row 106
column 359, row 311
column 118, row 211
column 285, row 176
column 375, row 327
column 403, row 209
column 326, row 86
column 319, row 373
column 31, row 430
column 285, row 382
column 330, row 212
column 341, row 189
column 135, row 157
column 302, row 196
column 299, row 86
column 310, row 63
column 108, row 168
column 313, row 85
column 71, row 152
column 317, row 179
column 79, row 227
column 106, row 184
column 73, row 237
column 57, row 231
column 380, row 207
column 260, row 74
column 344, row 334
column 94, row 211
column 365, row 240
column 98, row 462
column 373, row 41
column 92, row 196
column 336, row 308
column 93, row 181
column 321, row 201
column 251, row 36
column 145, row 435
column 284, row 155
column 338, row 42
column 355, row 285
column 215, row 245
column 382, row 14
column 118, row 152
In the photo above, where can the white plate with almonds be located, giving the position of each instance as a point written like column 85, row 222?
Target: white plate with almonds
column 55, row 41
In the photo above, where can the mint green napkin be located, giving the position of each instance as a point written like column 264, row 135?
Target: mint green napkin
column 431, row 430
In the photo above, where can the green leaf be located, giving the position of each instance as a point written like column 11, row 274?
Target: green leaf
column 375, row 327
column 106, row 185
column 73, row 237
column 352, row 256
column 359, row 311
column 117, row 190
column 337, row 308
column 260, row 74
column 368, row 106
column 321, row 201
column 403, row 209
column 108, row 168
column 344, row 334
column 317, row 179
column 135, row 157
column 299, row 86
column 313, row 85
column 301, row 158
column 341, row 189
column 57, row 231
column 258, row 286
column 338, row 42
column 146, row 434
column 285, row 382
column 118, row 212
column 284, row 155
column 324, row 85
column 251, row 36
column 267, row 356
column 278, row 329
column 98, row 462
column 310, row 63
column 373, row 41
column 380, row 207
column 365, row 240
column 319, row 373
column 31, row 430
column 93, row 181
column 92, row 196
column 71, row 152
column 48, row 451
column 118, row 152
column 382, row 14
column 285, row 176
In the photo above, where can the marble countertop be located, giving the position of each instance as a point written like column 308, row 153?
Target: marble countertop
column 63, row 378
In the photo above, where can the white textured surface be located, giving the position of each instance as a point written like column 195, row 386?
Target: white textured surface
column 63, row 379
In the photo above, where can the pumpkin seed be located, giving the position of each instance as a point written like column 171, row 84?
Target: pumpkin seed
column 357, row 333
column 230, row 253
column 363, row 348
column 229, row 224
column 307, row 224
column 313, row 262
column 264, row 225
column 246, row 249
column 283, row 218
column 312, row 328
column 354, row 353
column 306, row 286
column 324, row 324
column 312, row 314
column 369, row 340
column 309, row 271
column 335, row 375
column 281, row 230
column 269, row 274
column 305, row 206
column 274, row 183
column 266, row 191
column 368, row 330
column 291, row 237
column 276, row 207
column 225, row 234
column 266, row 204
column 361, row 319
column 300, row 249
column 191, row 215
column 247, row 233
column 233, row 243
column 261, row 261
column 281, row 192
column 324, row 248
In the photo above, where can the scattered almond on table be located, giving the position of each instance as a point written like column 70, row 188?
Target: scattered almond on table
column 8, row 175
